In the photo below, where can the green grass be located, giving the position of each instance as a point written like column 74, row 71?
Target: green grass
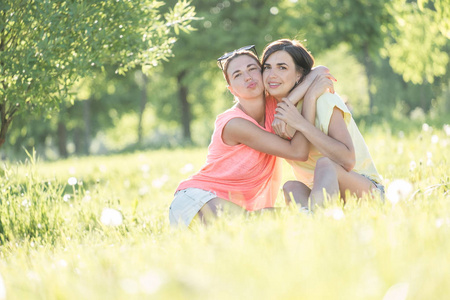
column 55, row 246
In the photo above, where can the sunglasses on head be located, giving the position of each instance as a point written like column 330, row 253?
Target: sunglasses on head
column 227, row 55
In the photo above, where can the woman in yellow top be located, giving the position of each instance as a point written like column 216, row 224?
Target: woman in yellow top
column 241, row 170
column 339, row 159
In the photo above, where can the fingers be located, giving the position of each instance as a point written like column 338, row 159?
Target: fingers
column 279, row 127
column 327, row 75
column 331, row 77
column 321, row 69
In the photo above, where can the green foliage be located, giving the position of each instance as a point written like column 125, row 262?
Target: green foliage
column 419, row 42
column 402, row 45
column 364, row 250
column 224, row 26
column 45, row 46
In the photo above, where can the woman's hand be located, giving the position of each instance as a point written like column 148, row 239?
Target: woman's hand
column 280, row 128
column 288, row 113
column 319, row 70
column 322, row 83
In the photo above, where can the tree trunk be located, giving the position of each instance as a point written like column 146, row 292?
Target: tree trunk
column 62, row 139
column 142, row 108
column 185, row 108
column 77, row 140
column 368, row 69
column 87, row 125
column 62, row 133
column 423, row 97
column 6, row 119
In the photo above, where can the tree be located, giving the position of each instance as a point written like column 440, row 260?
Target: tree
column 358, row 23
column 46, row 46
column 419, row 42
column 225, row 25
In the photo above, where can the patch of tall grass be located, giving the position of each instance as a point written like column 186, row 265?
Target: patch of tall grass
column 97, row 228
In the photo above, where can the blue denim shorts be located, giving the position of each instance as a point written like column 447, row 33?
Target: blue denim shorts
column 378, row 186
column 186, row 204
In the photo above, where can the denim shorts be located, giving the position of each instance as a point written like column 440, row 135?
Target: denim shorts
column 378, row 186
column 186, row 204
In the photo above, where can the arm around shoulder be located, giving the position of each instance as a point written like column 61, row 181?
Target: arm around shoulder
column 241, row 131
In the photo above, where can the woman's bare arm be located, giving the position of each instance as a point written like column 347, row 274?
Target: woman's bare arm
column 337, row 145
column 241, row 131
column 315, row 84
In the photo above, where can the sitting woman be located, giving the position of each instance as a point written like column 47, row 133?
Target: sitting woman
column 339, row 159
column 242, row 172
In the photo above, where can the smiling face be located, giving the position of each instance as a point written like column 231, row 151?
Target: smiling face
column 280, row 74
column 244, row 75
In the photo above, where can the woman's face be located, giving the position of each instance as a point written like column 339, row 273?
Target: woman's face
column 280, row 74
column 245, row 77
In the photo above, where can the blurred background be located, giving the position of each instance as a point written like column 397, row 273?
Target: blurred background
column 391, row 59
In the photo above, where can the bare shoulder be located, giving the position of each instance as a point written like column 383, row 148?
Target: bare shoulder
column 240, row 131
column 236, row 130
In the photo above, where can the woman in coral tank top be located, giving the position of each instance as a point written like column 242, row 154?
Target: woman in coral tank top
column 242, row 172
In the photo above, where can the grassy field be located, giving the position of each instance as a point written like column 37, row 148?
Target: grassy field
column 97, row 228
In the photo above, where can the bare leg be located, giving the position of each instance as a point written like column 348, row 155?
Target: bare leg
column 215, row 207
column 334, row 179
column 299, row 191
column 325, row 180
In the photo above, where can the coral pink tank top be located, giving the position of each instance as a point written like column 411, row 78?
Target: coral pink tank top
column 238, row 173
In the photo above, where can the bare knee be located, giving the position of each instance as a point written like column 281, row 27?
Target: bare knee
column 290, row 185
column 325, row 163
column 296, row 191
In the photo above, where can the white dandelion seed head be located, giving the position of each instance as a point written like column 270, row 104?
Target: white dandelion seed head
column 442, row 221
column 126, row 183
column 33, row 276
column 66, row 197
column 365, row 234
column 434, row 139
column 72, row 181
column 187, row 168
column 62, row 263
column 400, row 148
column 102, row 168
column 145, row 168
column 398, row 190
column 2, row 288
column 398, row 291
column 151, row 281
column 25, row 202
column 335, row 213
column 159, row 182
column 144, row 190
column 129, row 286
column 111, row 217
column 412, row 165
column 447, row 129
column 425, row 127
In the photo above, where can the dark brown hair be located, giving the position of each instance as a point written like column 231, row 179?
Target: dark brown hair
column 303, row 60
